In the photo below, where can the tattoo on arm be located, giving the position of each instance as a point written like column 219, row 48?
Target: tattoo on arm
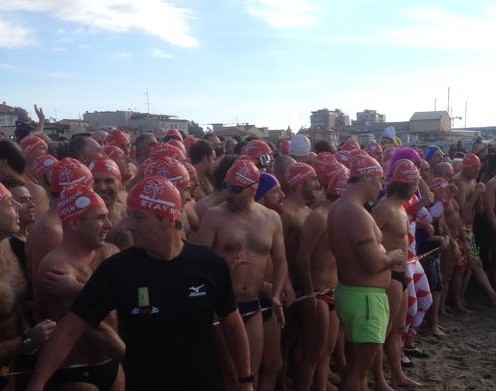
column 363, row 242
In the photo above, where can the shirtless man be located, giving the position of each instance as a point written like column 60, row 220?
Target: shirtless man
column 317, row 272
column 229, row 230
column 107, row 184
column 270, row 195
column 203, row 158
column 17, row 338
column 303, row 191
column 219, row 194
column 61, row 276
column 281, row 165
column 392, row 220
column 84, row 148
column 364, row 271
column 46, row 232
column 470, row 198
column 144, row 143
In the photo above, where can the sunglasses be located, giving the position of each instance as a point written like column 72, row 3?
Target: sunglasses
column 234, row 189
column 265, row 160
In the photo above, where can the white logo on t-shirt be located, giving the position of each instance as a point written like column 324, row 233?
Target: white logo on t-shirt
column 196, row 291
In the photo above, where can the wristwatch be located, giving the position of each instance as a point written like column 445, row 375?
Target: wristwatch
column 27, row 344
column 246, row 379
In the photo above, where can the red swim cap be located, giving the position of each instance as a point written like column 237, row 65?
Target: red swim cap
column 338, row 182
column 373, row 149
column 365, row 166
column 174, row 133
column 350, row 145
column 118, row 138
column 326, row 165
column 67, row 172
column 256, row 148
column 76, row 201
column 157, row 195
column 4, row 193
column 32, row 144
column 170, row 169
column 243, row 173
column 404, row 171
column 284, row 146
column 42, row 165
column 167, row 150
column 178, row 144
column 105, row 166
column 471, row 161
column 298, row 173
column 343, row 157
column 113, row 151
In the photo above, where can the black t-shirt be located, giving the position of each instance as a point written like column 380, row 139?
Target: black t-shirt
column 165, row 311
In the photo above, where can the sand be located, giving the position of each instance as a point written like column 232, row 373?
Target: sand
column 464, row 361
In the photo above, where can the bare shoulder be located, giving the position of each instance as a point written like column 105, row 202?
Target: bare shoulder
column 491, row 184
column 318, row 218
column 383, row 207
column 107, row 250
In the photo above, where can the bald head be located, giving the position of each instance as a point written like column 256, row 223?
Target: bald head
column 444, row 170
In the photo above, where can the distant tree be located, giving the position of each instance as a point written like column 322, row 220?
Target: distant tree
column 195, row 130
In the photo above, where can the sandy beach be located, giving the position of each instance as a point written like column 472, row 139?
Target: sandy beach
column 466, row 360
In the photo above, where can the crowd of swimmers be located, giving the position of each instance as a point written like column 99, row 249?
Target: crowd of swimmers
column 334, row 255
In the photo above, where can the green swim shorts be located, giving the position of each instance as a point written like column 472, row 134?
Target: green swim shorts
column 364, row 313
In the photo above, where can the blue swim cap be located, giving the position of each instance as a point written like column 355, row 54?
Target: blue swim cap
column 266, row 182
column 430, row 151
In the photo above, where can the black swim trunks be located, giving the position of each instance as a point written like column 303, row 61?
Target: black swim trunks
column 247, row 309
column 102, row 376
column 266, row 305
column 401, row 277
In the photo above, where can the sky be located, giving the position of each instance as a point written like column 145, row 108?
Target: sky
column 264, row 62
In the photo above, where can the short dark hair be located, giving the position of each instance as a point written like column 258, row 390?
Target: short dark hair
column 199, row 150
column 402, row 190
column 141, row 138
column 77, row 144
column 59, row 149
column 11, row 182
column 323, row 146
column 12, row 152
column 354, row 179
column 221, row 170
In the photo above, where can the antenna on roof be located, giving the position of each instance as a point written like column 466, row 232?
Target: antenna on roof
column 147, row 101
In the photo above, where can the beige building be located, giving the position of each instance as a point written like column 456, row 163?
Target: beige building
column 430, row 121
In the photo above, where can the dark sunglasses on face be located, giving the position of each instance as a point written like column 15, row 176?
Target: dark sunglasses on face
column 234, row 189
column 265, row 160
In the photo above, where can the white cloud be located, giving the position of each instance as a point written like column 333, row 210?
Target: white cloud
column 433, row 27
column 159, row 53
column 58, row 50
column 14, row 35
column 123, row 55
column 158, row 18
column 6, row 66
column 283, row 13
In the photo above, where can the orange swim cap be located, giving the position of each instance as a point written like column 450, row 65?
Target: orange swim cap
column 76, row 201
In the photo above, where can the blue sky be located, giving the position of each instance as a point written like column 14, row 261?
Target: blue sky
column 268, row 62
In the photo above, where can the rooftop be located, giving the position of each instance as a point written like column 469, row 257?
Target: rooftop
column 428, row 115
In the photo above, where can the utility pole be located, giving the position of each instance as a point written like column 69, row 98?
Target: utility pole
column 448, row 99
column 435, row 103
column 466, row 105
column 147, row 101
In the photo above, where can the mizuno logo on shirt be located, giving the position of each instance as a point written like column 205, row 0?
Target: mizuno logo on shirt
column 195, row 291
